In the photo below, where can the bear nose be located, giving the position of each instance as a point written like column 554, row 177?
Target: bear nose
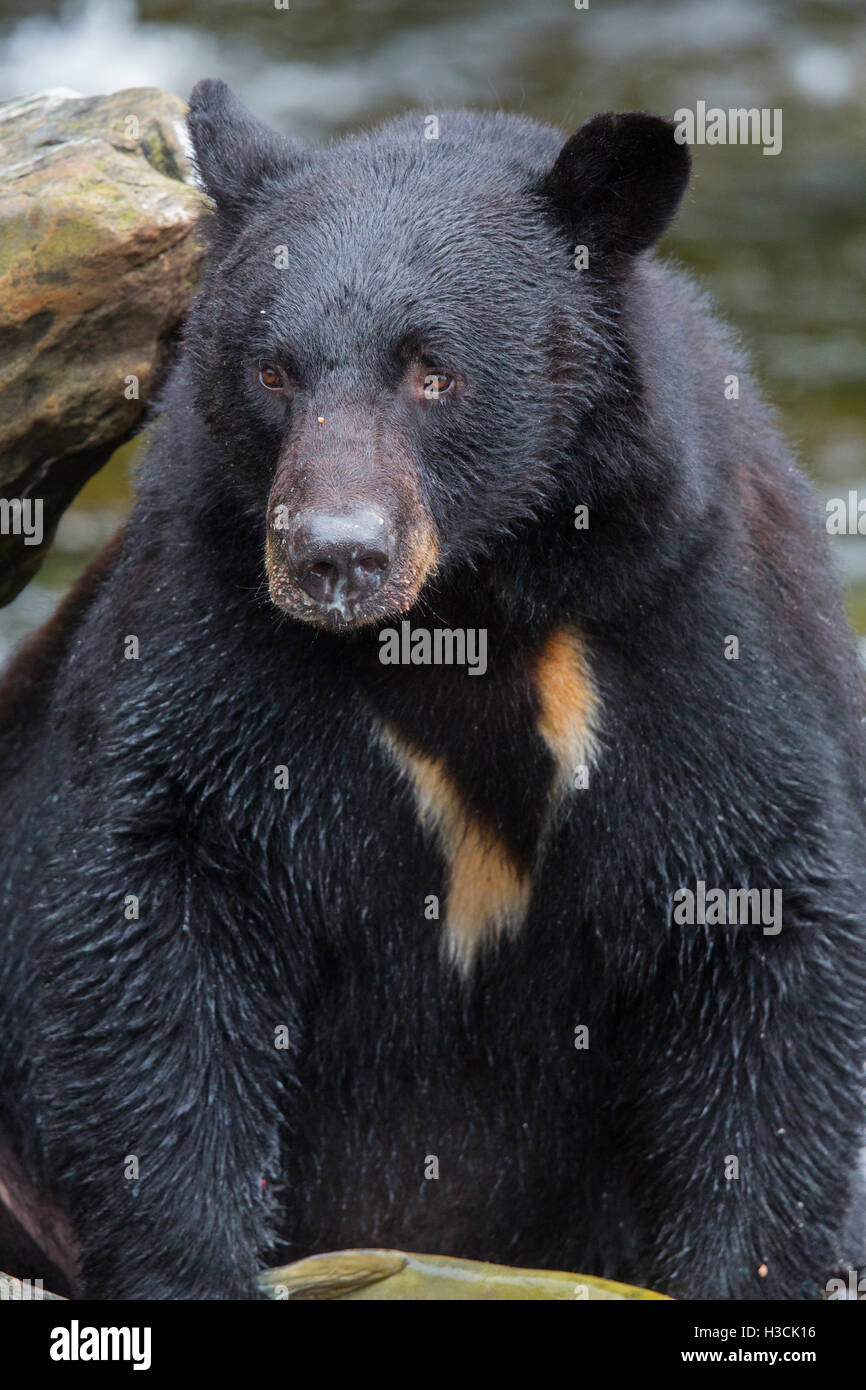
column 340, row 555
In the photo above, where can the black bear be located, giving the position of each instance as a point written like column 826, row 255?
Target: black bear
column 437, row 821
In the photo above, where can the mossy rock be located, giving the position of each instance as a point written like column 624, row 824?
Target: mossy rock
column 99, row 258
column 397, row 1274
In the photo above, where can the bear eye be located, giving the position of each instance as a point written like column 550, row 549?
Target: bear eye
column 272, row 377
column 437, row 384
column 428, row 383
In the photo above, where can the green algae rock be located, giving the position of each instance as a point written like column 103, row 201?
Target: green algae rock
column 99, row 257
column 396, row 1274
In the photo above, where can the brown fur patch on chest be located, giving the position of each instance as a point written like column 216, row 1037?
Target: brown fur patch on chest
column 488, row 890
column 568, row 702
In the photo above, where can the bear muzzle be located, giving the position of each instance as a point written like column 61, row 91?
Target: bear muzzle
column 345, row 567
column 350, row 535
column 340, row 559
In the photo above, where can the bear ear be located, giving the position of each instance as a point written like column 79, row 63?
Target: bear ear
column 235, row 154
column 619, row 180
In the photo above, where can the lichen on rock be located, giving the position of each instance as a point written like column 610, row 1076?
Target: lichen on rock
column 99, row 258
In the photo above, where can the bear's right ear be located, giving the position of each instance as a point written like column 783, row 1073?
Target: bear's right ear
column 618, row 182
column 235, row 154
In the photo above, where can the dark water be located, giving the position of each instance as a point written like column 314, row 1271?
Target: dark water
column 779, row 241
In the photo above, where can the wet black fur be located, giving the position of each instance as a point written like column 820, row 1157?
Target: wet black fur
column 305, row 907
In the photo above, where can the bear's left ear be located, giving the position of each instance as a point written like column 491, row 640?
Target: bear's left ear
column 618, row 182
column 235, row 154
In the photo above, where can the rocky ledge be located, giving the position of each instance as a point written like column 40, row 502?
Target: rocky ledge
column 99, row 257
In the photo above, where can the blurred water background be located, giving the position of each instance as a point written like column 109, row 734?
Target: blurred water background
column 779, row 241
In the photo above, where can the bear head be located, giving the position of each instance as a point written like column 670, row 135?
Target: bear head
column 397, row 340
